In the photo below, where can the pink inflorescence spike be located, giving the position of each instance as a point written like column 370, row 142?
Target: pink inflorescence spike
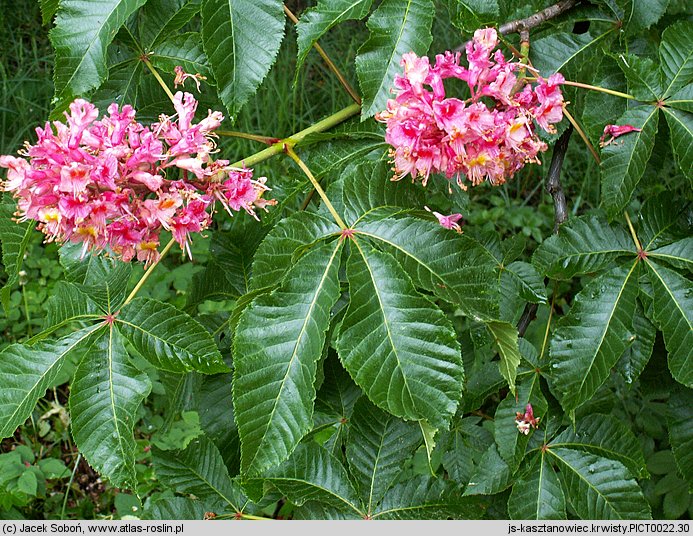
column 487, row 137
column 113, row 183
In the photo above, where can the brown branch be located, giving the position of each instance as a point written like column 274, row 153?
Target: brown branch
column 553, row 179
column 560, row 210
column 526, row 24
column 529, row 314
column 538, row 18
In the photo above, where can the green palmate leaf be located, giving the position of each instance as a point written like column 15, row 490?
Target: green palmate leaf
column 396, row 27
column 83, row 30
column 241, row 38
column 364, row 187
column 676, row 56
column 27, row 371
column 583, row 245
column 317, row 21
column 530, row 283
column 285, row 243
column 679, row 254
column 199, row 470
column 48, row 9
column 160, row 19
column 491, row 476
column 228, row 271
column 123, row 81
column 463, row 447
column 681, row 129
column 673, row 314
column 538, row 494
column 483, row 380
column 217, row 417
column 184, row 50
column 338, row 393
column 593, row 336
column 313, row 510
column 14, row 238
column 679, row 418
column 211, row 284
column 70, row 304
column 233, row 251
column 396, row 344
column 105, row 396
column 510, row 304
column 431, row 256
column 623, row 163
column 510, row 442
column 602, row 109
column 175, row 508
column 335, row 403
column 428, row 433
column 636, row 356
column 426, row 497
column 378, row 446
column 639, row 14
column 643, row 76
column 605, row 436
column 104, row 280
column 598, row 488
column 682, row 99
column 663, row 220
column 168, row 338
column 505, row 338
column 279, row 340
column 313, row 474
column 472, row 14
column 330, row 157
column 564, row 53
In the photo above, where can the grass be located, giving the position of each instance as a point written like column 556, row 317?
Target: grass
column 26, row 64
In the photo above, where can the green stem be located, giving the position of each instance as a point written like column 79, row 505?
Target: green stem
column 295, row 139
column 158, row 77
column 149, row 271
column 26, row 312
column 317, row 187
column 582, row 134
column 246, row 136
column 595, row 88
column 69, row 486
column 257, row 518
column 632, row 232
column 330, row 64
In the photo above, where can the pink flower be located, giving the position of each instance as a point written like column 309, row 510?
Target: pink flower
column 113, row 184
column 185, row 105
column 526, row 420
column 550, row 109
column 449, row 222
column 74, row 178
column 488, row 137
column 182, row 76
column 17, row 171
column 615, row 131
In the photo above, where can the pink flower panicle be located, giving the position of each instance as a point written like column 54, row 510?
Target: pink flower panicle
column 489, row 136
column 526, row 420
column 615, row 131
column 113, row 184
